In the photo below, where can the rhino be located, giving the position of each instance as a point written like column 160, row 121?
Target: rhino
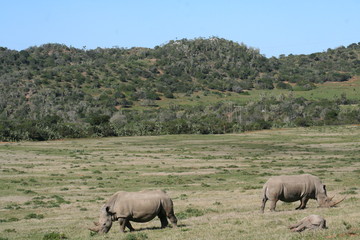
column 293, row 188
column 311, row 222
column 140, row 206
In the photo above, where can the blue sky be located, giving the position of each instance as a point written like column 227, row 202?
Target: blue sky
column 274, row 27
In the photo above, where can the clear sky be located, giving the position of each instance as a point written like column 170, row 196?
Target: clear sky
column 274, row 26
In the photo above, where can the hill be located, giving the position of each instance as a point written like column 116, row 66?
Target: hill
column 55, row 91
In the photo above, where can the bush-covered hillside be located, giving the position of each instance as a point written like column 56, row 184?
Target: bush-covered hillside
column 55, row 91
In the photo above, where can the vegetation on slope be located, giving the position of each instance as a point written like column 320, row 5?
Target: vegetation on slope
column 55, row 91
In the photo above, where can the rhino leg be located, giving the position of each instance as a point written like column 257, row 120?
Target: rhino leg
column 301, row 225
column 263, row 204
column 294, row 227
column 291, row 227
column 128, row 225
column 122, row 222
column 300, row 228
column 273, row 205
column 163, row 219
column 306, row 226
column 303, row 203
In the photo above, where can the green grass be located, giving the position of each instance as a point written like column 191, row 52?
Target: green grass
column 55, row 189
column 328, row 90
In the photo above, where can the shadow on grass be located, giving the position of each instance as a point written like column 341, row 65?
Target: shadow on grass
column 158, row 228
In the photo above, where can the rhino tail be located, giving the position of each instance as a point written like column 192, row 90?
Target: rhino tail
column 265, row 189
column 264, row 199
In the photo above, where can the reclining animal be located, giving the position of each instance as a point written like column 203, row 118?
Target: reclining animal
column 311, row 222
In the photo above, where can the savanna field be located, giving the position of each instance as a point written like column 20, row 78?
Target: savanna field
column 54, row 189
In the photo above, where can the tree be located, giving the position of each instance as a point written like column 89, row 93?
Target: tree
column 264, row 83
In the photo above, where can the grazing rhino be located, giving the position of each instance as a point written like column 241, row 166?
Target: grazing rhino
column 293, row 188
column 135, row 206
column 311, row 222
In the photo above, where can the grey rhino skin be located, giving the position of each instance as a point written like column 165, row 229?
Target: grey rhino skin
column 140, row 206
column 294, row 188
column 311, row 222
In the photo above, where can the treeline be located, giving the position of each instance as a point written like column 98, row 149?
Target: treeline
column 55, row 91
column 224, row 117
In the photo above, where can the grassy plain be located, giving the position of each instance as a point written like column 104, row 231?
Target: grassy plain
column 56, row 188
column 327, row 90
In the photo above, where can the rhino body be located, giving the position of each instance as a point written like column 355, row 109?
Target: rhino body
column 311, row 222
column 294, row 188
column 140, row 206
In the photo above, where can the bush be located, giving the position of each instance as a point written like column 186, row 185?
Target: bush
column 34, row 215
column 337, row 77
column 169, row 94
column 331, row 117
column 54, row 236
column 258, row 125
column 98, row 119
column 190, row 212
column 137, row 236
column 264, row 83
column 151, row 95
column 176, row 126
column 282, row 85
column 304, row 86
column 303, row 122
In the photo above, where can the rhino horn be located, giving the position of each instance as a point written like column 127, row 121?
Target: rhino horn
column 330, row 199
column 336, row 203
column 96, row 223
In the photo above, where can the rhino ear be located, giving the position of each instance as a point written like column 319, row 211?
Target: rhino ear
column 108, row 211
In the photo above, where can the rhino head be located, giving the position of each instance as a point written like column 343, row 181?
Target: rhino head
column 105, row 221
column 325, row 201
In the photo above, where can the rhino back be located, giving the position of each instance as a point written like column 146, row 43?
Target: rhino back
column 290, row 188
column 136, row 206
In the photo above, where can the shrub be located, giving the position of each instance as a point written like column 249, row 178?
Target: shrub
column 303, row 122
column 98, row 119
column 304, row 86
column 169, row 94
column 282, row 85
column 34, row 215
column 137, row 236
column 190, row 212
column 264, row 83
column 54, row 236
